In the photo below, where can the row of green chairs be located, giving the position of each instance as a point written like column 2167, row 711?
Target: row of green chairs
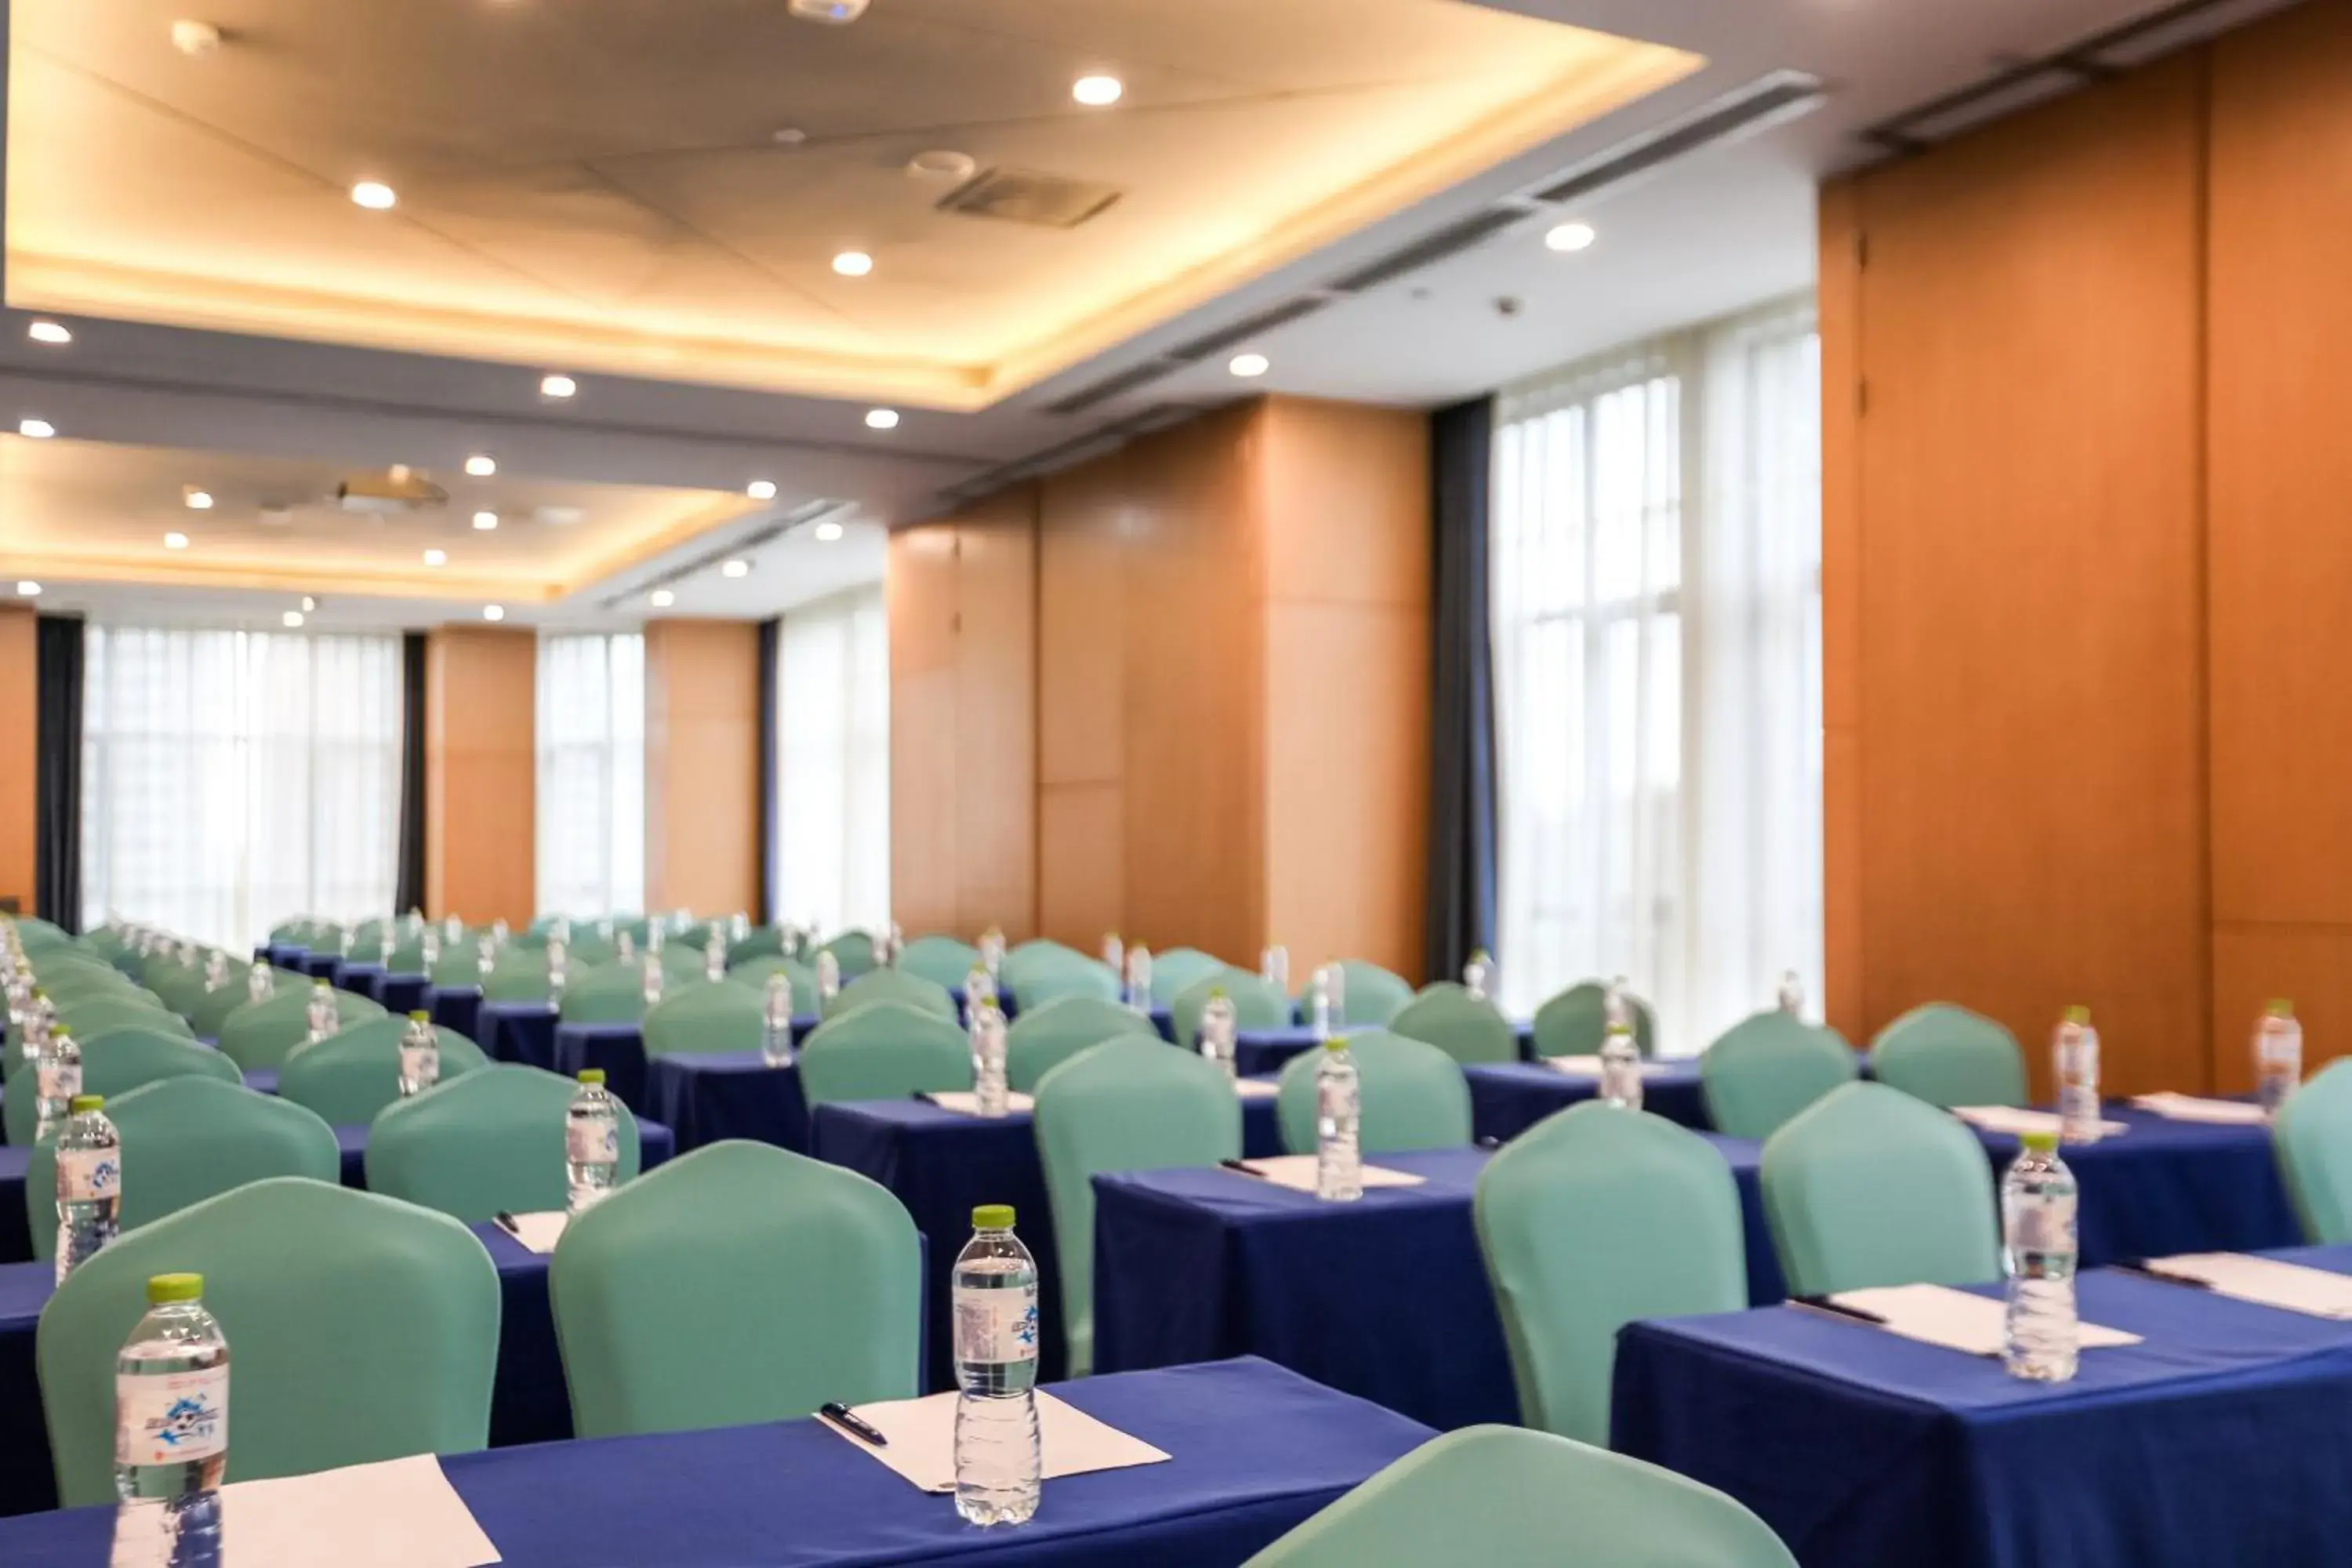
column 1767, row 1069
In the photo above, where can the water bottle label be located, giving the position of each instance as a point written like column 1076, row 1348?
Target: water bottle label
column 420, row 1063
column 85, row 1175
column 59, row 1080
column 586, row 1144
column 996, row 1326
column 167, row 1419
column 2046, row 1224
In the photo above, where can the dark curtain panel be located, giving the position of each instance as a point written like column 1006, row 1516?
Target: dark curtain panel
column 1462, row 707
column 57, row 855
column 409, row 882
column 769, row 900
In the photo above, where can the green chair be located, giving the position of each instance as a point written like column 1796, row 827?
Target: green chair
column 260, row 1034
column 1873, row 1186
column 609, row 993
column 754, row 974
column 1464, row 1026
column 1573, row 1023
column 2313, row 1138
column 740, row 1283
column 1502, row 1497
column 304, row 1276
column 112, row 1065
column 1124, row 1105
column 762, row 941
column 100, row 1016
column 181, row 991
column 211, row 1013
column 1766, row 1068
column 1048, row 976
column 1413, row 1095
column 351, row 1075
column 407, row 957
column 890, row 985
column 1591, row 1219
column 519, row 974
column 1177, row 968
column 1948, row 1056
column 1020, row 958
column 854, row 952
column 1041, row 1041
column 941, row 959
column 485, row 1142
column 886, row 1051
column 727, row 1016
column 459, row 965
column 1257, row 1005
column 1370, row 995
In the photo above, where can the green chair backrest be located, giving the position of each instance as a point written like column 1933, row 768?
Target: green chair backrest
column 407, row 957
column 1465, row 1028
column 351, row 1075
column 761, row 942
column 185, row 1138
column 113, row 1064
column 520, row 975
column 1591, row 1219
column 1050, row 975
column 1370, row 995
column 180, row 991
column 1041, row 1041
column 1024, row 956
column 609, row 993
column 1948, row 1056
column 1413, row 1095
column 854, row 952
column 754, row 974
column 211, row 1014
column 1257, row 1005
column 890, row 985
column 303, row 1275
column 1503, row 1497
column 1124, row 1105
column 885, row 1051
column 137, row 1010
column 1871, row 1187
column 486, row 1141
column 1177, row 968
column 459, row 964
column 260, row 1034
column 739, row 1283
column 1766, row 1068
column 2313, row 1138
column 73, row 982
column 722, row 1018
column 1573, row 1023
column 941, row 959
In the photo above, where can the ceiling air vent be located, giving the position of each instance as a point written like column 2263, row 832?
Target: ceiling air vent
column 1242, row 332
column 1103, row 390
column 1765, row 101
column 1448, row 241
column 395, row 491
column 1026, row 195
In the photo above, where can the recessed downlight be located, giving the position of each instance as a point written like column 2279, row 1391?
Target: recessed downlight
column 760, row 489
column 557, row 386
column 1248, row 364
column 437, row 558
column 27, row 589
column 943, row 163
column 494, row 612
column 197, row 500
column 37, row 429
column 1098, row 91
column 175, row 541
column 49, row 332
column 852, row 264
column 738, row 567
column 827, row 532
column 881, row 419
column 661, row 598
column 308, row 603
column 1570, row 237
column 481, row 465
column 374, row 196
column 291, row 618
column 485, row 521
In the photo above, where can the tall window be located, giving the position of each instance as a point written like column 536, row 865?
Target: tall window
column 592, row 774
column 833, row 762
column 1656, row 600
column 232, row 780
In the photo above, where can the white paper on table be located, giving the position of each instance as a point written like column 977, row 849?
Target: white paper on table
column 1256, row 1088
column 2264, row 1280
column 400, row 1513
column 1589, row 1067
column 2195, row 1108
column 1955, row 1320
column 968, row 1103
column 537, row 1232
column 922, row 1440
column 1296, row 1172
column 2014, row 1119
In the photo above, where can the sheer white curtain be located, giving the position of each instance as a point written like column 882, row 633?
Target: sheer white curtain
column 1656, row 593
column 592, row 774
column 833, row 762
column 232, row 779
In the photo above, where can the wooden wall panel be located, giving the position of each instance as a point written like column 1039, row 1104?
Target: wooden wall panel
column 482, row 774
column 920, row 593
column 703, row 766
column 2031, row 802
column 20, row 711
column 995, row 727
column 1081, row 863
column 1843, row 885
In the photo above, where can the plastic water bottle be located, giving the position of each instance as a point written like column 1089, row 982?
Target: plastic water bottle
column 1337, row 989
column 1338, row 1115
column 500, row 931
column 1273, row 967
column 2278, row 1056
column 656, row 932
column 988, row 1060
column 420, row 1055
column 1217, row 1024
column 652, row 976
column 428, row 948
column 999, row 1462
column 738, row 926
column 592, row 1142
column 1791, row 998
column 89, row 1183
column 215, row 972
column 486, row 958
column 384, row 944
column 714, row 955
column 1478, row 975
column 1138, row 978
column 1621, row 1068
column 2038, row 1253
column 57, row 1081
column 319, row 1017
column 260, row 982
column 1318, row 1002
column 558, row 969
column 2077, row 1048
column 1614, row 1009
column 776, row 1021
column 604, row 928
column 625, row 948
column 828, row 977
column 894, row 943
column 1114, row 953
column 979, row 989
column 39, row 1019
column 170, row 1431
column 991, row 952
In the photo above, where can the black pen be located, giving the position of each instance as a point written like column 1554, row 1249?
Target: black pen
column 1243, row 1169
column 508, row 1224
column 1837, row 1309
column 849, row 1421
column 2145, row 1272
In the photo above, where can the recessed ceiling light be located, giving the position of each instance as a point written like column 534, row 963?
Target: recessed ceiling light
column 481, row 465
column 760, row 489
column 199, row 500
column 1570, row 237
column 291, row 618
column 738, row 567
column 38, row 429
column 175, row 541
column 881, row 419
column 557, row 386
column 852, row 264
column 437, row 558
column 485, row 521
column 196, row 39
column 374, row 196
column 49, row 332
column 788, row 135
column 1248, row 364
column 1098, row 91
column 943, row 163
column 494, row 612
column 661, row 598
column 27, row 589
column 828, row 531
column 308, row 603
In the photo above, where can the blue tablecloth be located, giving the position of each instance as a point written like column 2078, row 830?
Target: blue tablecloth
column 318, row 965
column 356, row 977
column 618, row 1048
column 2221, row 1440
column 1254, row 1451
column 708, row 1097
column 528, row 1402
column 518, row 1032
column 1508, row 1098
column 457, row 1007
column 942, row 1164
column 401, row 994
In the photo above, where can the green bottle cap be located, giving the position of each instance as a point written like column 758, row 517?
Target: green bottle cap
column 2280, row 1007
column 81, row 1102
column 2078, row 1014
column 592, row 1076
column 2039, row 1142
column 992, row 1217
column 165, row 1287
column 419, row 1016
column 1336, row 1043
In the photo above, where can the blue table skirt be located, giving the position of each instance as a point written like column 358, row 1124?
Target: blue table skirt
column 620, row 1050
column 401, row 994
column 2223, row 1439
column 1257, row 1052
column 942, row 1164
column 1253, row 1452
column 1508, row 1098
column 457, row 1007
column 709, row 1097
column 318, row 965
column 356, row 977
column 520, row 1032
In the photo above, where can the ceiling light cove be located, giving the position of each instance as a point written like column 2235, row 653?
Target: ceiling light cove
column 557, row 386
column 481, row 465
column 1249, row 364
column 374, row 196
column 485, row 521
column 661, row 598
column 1570, row 237
column 881, row 419
column 51, row 332
column 1098, row 91
column 853, row 263
column 826, row 533
column 738, row 567
column 760, row 489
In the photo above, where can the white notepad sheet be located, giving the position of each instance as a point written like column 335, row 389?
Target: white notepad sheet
column 1256, row 1088
column 922, row 1440
column 2195, row 1108
column 538, row 1232
column 1296, row 1172
column 1589, row 1067
column 401, row 1513
column 2264, row 1280
column 968, row 1103
column 1955, row 1320
column 2011, row 1118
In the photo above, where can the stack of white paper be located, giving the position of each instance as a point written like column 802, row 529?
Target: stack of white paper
column 1256, row 1088
column 2264, row 1280
column 538, row 1232
column 2009, row 1118
column 968, row 1103
column 1589, row 1067
column 922, row 1440
column 402, row 1513
column 1296, row 1172
column 1955, row 1320
column 2194, row 1108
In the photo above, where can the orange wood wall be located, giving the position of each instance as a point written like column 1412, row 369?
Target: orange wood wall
column 480, row 774
column 703, row 766
column 20, row 740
